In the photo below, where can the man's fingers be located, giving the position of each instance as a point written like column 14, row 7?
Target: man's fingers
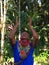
column 10, row 27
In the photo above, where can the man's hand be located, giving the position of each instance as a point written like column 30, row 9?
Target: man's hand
column 30, row 22
column 13, row 31
column 10, row 27
column 34, row 33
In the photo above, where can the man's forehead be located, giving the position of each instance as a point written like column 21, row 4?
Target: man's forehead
column 24, row 33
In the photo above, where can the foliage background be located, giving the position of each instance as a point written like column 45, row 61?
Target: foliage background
column 39, row 13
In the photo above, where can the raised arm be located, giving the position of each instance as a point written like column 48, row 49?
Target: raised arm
column 35, row 35
column 13, row 31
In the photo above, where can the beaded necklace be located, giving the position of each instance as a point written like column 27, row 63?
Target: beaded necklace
column 20, row 48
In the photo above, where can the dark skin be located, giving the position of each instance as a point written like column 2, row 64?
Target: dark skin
column 25, row 35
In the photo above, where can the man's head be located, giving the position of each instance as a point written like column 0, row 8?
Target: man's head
column 25, row 35
column 25, row 39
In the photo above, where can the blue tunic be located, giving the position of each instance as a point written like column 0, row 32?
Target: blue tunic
column 29, row 60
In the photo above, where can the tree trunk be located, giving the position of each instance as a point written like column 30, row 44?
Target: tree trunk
column 3, row 20
column 1, row 32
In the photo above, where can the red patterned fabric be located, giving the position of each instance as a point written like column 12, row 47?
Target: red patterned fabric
column 24, row 43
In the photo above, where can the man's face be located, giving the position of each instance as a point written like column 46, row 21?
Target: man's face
column 24, row 39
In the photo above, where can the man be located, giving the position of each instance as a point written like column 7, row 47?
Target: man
column 24, row 48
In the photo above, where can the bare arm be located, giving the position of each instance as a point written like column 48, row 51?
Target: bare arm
column 13, row 31
column 35, row 35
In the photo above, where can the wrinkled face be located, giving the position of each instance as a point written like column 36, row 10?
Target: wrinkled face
column 24, row 39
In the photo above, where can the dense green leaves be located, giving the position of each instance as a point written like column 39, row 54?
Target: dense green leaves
column 40, row 22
